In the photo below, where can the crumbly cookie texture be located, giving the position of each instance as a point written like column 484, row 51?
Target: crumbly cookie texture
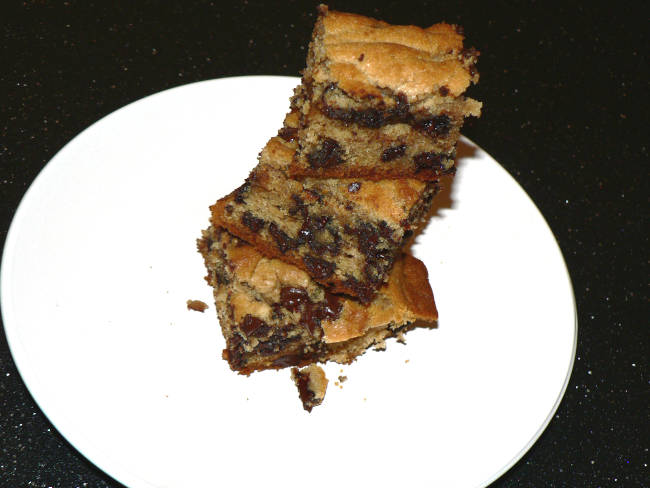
column 312, row 385
column 273, row 315
column 382, row 101
column 345, row 233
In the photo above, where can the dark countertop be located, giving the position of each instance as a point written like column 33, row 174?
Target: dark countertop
column 565, row 91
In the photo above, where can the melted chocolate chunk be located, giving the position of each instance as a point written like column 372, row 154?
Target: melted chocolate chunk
column 253, row 326
column 368, row 240
column 288, row 133
column 277, row 311
column 444, row 91
column 385, row 230
column 435, row 126
column 282, row 240
column 393, row 153
column 306, row 395
column 312, row 228
column 293, row 360
column 332, row 306
column 327, row 155
column 253, row 223
column 371, row 117
column 319, row 268
column 364, row 292
column 293, row 298
column 314, row 312
column 278, row 341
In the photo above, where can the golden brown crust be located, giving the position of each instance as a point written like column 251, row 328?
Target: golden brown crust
column 364, row 55
column 406, row 297
column 414, row 287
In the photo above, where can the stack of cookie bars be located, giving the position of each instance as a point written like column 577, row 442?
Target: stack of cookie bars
column 306, row 257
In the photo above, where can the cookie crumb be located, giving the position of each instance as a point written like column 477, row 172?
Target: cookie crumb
column 197, row 305
column 312, row 385
column 343, row 379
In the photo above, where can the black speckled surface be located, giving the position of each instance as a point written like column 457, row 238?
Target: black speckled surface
column 565, row 88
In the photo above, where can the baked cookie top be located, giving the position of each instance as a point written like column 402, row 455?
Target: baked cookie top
column 363, row 56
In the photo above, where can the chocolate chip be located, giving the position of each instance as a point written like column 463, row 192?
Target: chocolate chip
column 363, row 291
column 393, row 153
column 253, row 326
column 253, row 223
column 361, row 57
column 306, row 395
column 282, row 240
column 435, row 126
column 328, row 154
column 292, row 298
column 332, row 306
column 319, row 268
column 314, row 312
column 428, row 160
column 241, row 192
column 289, row 134
column 444, row 91
column 354, row 187
column 310, row 232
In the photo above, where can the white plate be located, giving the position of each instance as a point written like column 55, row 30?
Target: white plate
column 100, row 260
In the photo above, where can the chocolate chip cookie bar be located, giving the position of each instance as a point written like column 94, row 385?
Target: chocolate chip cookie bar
column 345, row 233
column 273, row 315
column 382, row 101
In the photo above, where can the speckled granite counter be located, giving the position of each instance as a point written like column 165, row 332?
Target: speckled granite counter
column 565, row 94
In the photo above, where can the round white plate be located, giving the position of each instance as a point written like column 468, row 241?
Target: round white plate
column 100, row 261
